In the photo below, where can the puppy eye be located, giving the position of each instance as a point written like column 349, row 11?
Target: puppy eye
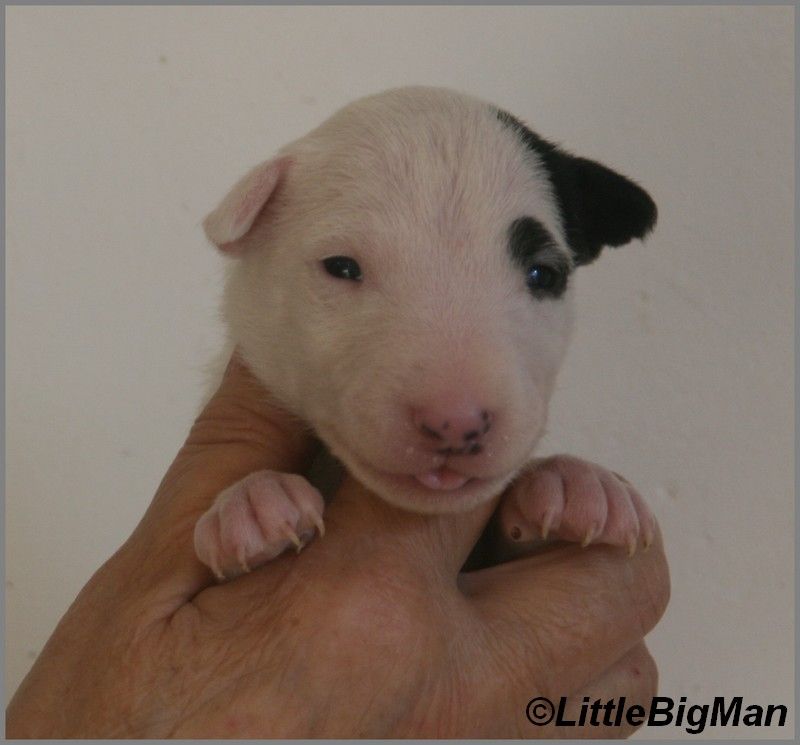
column 543, row 279
column 342, row 267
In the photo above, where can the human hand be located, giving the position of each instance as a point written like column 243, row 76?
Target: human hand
column 371, row 631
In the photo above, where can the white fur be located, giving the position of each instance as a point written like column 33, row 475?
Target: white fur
column 419, row 185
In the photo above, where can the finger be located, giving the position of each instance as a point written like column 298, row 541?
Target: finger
column 362, row 528
column 601, row 710
column 239, row 431
column 564, row 616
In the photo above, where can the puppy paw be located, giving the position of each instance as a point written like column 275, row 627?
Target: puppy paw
column 257, row 519
column 574, row 500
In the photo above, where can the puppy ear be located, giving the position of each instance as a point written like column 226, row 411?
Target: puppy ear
column 600, row 207
column 237, row 212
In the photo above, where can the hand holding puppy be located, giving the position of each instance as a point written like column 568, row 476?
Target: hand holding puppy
column 371, row 631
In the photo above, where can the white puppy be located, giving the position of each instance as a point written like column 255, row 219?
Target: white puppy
column 402, row 285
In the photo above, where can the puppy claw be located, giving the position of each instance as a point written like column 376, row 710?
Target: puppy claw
column 647, row 537
column 547, row 522
column 255, row 520
column 591, row 534
column 317, row 520
column 292, row 536
column 576, row 500
column 217, row 571
column 242, row 559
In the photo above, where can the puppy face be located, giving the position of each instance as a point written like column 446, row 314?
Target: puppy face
column 403, row 285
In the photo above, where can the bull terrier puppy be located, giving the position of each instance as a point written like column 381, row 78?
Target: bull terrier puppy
column 402, row 284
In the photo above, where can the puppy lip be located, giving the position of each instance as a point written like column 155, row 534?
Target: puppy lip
column 409, row 493
column 442, row 479
column 421, row 497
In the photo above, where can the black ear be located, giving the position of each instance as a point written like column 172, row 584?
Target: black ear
column 599, row 207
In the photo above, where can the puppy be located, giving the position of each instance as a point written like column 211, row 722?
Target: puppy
column 402, row 284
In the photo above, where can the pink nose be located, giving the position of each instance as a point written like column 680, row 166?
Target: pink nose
column 454, row 427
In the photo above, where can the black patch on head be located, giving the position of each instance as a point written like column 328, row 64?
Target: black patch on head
column 527, row 240
column 532, row 246
column 599, row 207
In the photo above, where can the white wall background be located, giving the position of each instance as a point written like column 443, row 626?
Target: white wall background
column 125, row 125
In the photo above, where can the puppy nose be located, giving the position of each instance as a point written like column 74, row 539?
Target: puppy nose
column 454, row 427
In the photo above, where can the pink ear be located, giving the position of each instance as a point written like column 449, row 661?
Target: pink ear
column 238, row 211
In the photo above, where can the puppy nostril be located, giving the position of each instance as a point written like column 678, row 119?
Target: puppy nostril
column 463, row 427
column 430, row 432
column 474, row 449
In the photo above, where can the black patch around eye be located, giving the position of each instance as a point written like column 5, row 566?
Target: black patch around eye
column 342, row 267
column 532, row 248
column 527, row 239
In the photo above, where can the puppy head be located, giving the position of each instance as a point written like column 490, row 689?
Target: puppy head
column 402, row 284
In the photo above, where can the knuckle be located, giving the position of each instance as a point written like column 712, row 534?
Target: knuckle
column 652, row 593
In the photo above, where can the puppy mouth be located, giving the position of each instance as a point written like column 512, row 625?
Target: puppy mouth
column 438, row 492
column 441, row 482
column 442, row 479
column 439, row 488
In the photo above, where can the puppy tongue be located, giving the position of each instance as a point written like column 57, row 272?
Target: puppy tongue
column 443, row 479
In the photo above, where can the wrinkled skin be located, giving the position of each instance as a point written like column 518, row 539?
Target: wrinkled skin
column 370, row 631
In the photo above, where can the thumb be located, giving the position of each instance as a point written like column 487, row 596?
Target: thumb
column 239, row 431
